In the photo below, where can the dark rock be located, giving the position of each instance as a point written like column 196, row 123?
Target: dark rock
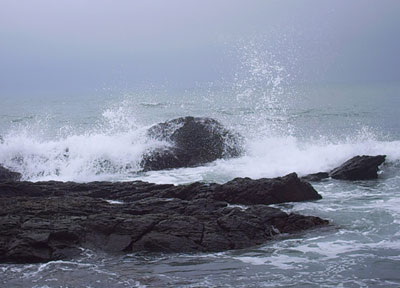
column 193, row 141
column 47, row 221
column 266, row 191
column 359, row 168
column 316, row 176
column 7, row 175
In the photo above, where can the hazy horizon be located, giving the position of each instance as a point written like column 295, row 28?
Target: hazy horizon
column 64, row 46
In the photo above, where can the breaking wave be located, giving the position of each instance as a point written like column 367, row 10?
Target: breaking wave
column 114, row 153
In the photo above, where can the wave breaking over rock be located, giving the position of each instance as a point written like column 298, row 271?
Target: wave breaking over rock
column 193, row 141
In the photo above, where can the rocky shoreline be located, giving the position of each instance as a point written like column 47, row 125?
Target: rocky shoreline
column 47, row 221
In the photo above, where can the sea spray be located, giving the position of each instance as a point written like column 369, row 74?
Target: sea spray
column 111, row 151
column 284, row 131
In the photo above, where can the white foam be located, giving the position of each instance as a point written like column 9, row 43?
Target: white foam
column 273, row 157
column 116, row 156
column 114, row 202
column 270, row 157
column 280, row 261
column 109, row 151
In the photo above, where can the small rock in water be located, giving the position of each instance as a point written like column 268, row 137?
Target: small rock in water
column 359, row 168
column 194, row 141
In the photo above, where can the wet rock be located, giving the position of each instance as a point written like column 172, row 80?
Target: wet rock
column 193, row 141
column 47, row 221
column 7, row 175
column 316, row 176
column 266, row 191
column 359, row 168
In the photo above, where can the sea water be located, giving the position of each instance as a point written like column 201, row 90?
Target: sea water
column 297, row 128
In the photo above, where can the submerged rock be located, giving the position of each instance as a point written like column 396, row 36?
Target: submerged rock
column 316, row 176
column 193, row 141
column 7, row 175
column 359, row 168
column 46, row 221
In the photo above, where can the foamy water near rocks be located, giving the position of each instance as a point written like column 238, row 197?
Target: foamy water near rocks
column 46, row 221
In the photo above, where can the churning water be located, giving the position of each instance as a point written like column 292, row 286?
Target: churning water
column 303, row 129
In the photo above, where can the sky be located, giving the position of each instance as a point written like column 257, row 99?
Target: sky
column 82, row 45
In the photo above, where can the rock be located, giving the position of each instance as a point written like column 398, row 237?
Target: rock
column 7, row 175
column 193, row 141
column 266, row 191
column 359, row 168
column 46, row 221
column 316, row 176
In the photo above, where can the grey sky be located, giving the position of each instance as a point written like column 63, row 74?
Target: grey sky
column 50, row 45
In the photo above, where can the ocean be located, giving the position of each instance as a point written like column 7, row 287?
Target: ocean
column 100, row 136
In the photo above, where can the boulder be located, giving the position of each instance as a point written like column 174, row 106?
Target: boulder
column 266, row 190
column 47, row 221
column 192, row 141
column 7, row 175
column 358, row 168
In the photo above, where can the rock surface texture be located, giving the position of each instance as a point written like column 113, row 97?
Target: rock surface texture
column 46, row 221
column 193, row 141
column 7, row 175
column 359, row 168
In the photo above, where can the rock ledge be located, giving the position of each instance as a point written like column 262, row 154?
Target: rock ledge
column 47, row 221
